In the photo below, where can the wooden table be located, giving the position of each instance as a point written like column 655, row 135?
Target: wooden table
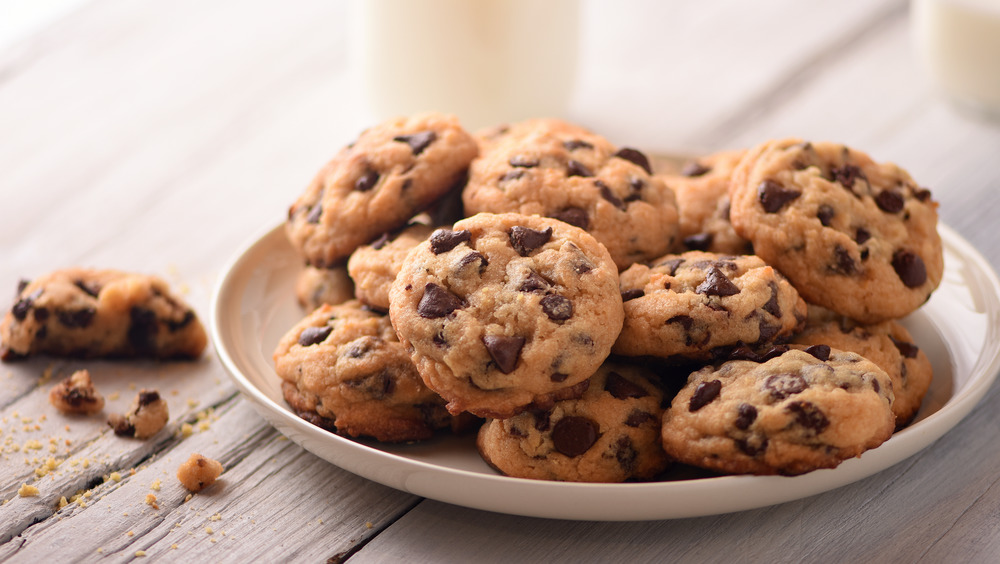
column 159, row 137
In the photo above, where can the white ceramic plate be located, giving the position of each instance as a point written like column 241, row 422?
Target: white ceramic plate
column 254, row 305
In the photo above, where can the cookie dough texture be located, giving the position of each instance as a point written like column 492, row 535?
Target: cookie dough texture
column 90, row 313
column 610, row 434
column 797, row 412
column 374, row 267
column 698, row 305
column 854, row 236
column 343, row 369
column 317, row 286
column 376, row 184
column 702, row 190
column 555, row 169
column 506, row 311
column 887, row 344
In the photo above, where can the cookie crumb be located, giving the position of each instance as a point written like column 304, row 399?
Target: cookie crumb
column 146, row 417
column 198, row 472
column 140, row 553
column 369, row 524
column 151, row 501
column 155, row 486
column 77, row 395
column 115, row 476
column 27, row 490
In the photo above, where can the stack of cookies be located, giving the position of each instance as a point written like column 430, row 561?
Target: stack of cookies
column 598, row 320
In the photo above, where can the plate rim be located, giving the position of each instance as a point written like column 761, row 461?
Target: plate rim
column 908, row 441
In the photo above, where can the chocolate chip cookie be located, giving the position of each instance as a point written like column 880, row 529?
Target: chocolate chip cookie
column 317, row 286
column 343, row 369
column 90, row 313
column 887, row 344
column 374, row 267
column 377, row 183
column 702, row 190
column 505, row 311
column 797, row 412
column 610, row 434
column 854, row 236
column 555, row 169
column 698, row 305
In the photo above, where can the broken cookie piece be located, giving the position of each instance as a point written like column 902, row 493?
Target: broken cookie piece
column 89, row 313
column 146, row 417
column 77, row 395
column 198, row 472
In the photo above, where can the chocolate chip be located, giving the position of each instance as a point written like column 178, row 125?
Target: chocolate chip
column 786, row 384
column 635, row 157
column 846, row 175
column 21, row 307
column 685, row 321
column 417, row 141
column 717, row 284
column 843, row 263
column 557, row 307
column 862, row 235
column 825, row 214
column 185, row 320
column 694, row 168
column 774, row 196
column 753, row 445
column 746, row 414
column 121, row 425
column 638, row 417
column 21, row 285
column 704, row 394
column 573, row 216
column 574, row 435
column 622, row 388
column 41, row 313
column 889, row 201
column 520, row 161
column 576, row 168
column 766, row 331
column 625, row 454
column 438, row 302
column 474, row 256
column 808, row 415
column 533, row 283
column 910, row 268
column 575, row 144
column 314, row 214
column 543, row 420
column 91, row 290
column 558, row 377
column 504, row 350
column 147, row 397
column 772, row 305
column 822, row 352
column 672, row 265
column 314, row 335
column 635, row 185
column 76, row 318
column 632, row 294
column 444, row 240
column 608, row 195
column 698, row 241
column 142, row 329
column 922, row 194
column 909, row 350
column 382, row 241
column 526, row 240
column 366, row 181
column 511, row 175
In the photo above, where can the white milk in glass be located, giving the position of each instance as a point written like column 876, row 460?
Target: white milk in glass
column 959, row 41
column 487, row 61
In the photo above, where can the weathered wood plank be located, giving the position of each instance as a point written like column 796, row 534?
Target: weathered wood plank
column 274, row 501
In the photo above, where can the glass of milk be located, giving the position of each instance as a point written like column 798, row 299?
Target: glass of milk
column 959, row 41
column 487, row 61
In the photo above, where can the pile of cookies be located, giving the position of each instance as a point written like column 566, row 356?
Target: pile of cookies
column 599, row 320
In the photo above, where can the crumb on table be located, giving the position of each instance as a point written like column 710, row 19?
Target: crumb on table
column 146, row 417
column 198, row 472
column 77, row 395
